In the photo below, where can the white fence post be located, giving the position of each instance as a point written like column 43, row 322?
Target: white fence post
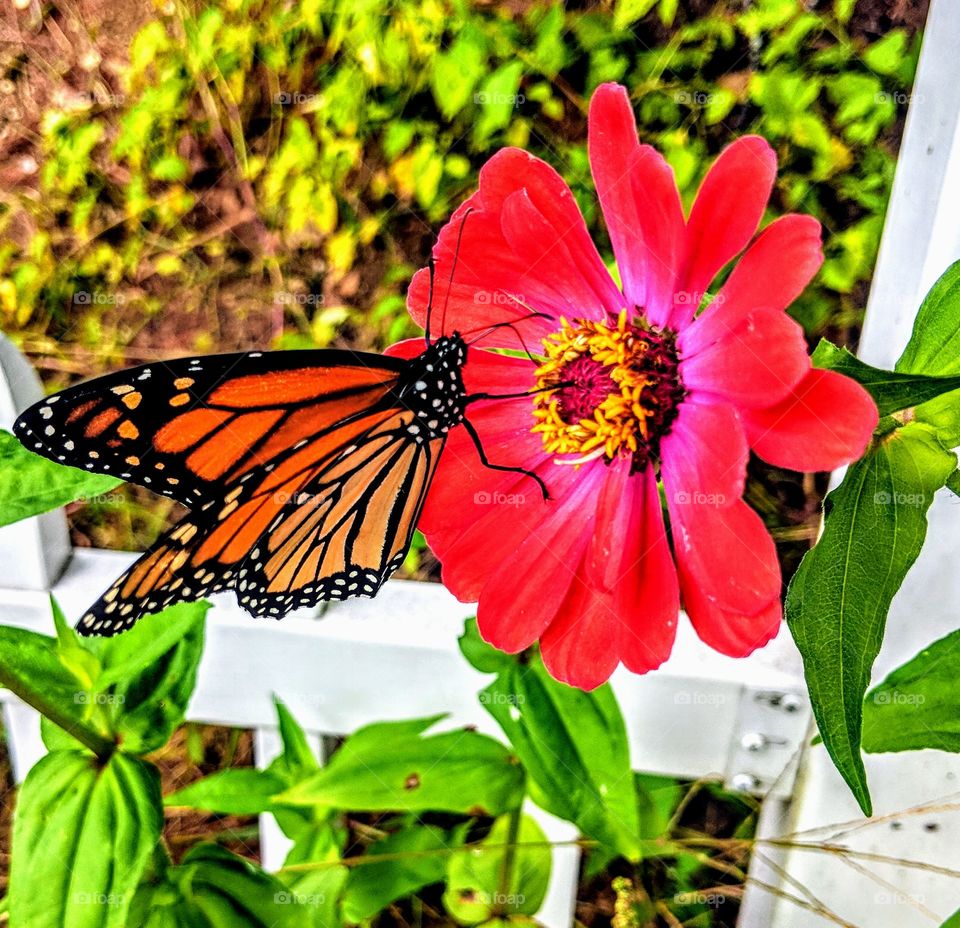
column 921, row 238
column 33, row 553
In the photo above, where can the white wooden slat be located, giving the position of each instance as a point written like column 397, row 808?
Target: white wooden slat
column 21, row 724
column 397, row 656
column 274, row 844
column 34, row 551
column 921, row 238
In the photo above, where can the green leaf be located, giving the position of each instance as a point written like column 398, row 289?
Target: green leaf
column 917, row 705
column 934, row 346
column 627, row 12
column 891, row 390
column 82, row 837
column 31, row 668
column 482, row 656
column 574, row 748
column 886, row 55
column 158, row 675
column 389, row 766
column 953, row 483
column 372, row 887
column 31, row 484
column 319, row 889
column 837, row 603
column 455, row 73
column 234, row 791
column 297, row 759
column 496, row 100
column 213, row 888
column 475, row 889
column 953, row 921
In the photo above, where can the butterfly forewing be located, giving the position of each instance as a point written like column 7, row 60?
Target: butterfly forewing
column 307, row 471
column 189, row 427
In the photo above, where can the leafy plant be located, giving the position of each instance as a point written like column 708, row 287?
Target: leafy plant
column 875, row 525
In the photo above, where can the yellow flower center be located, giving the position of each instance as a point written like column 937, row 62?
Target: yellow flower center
column 609, row 389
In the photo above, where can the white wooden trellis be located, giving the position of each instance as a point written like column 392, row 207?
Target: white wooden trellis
column 702, row 714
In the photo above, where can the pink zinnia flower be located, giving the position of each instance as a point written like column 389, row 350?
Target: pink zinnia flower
column 637, row 390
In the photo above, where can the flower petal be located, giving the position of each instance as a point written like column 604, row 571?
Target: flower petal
column 546, row 257
column 775, row 268
column 826, row 421
column 577, row 647
column 749, row 360
column 523, row 595
column 725, row 215
column 726, row 551
column 728, row 631
column 647, row 596
column 512, row 170
column 640, row 202
column 704, row 457
column 477, row 313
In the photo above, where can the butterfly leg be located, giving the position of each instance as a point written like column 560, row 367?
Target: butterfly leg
column 475, row 438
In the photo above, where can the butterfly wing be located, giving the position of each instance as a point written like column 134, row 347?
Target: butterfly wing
column 189, row 428
column 327, row 525
column 320, row 546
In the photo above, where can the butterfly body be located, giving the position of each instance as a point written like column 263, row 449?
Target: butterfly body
column 305, row 471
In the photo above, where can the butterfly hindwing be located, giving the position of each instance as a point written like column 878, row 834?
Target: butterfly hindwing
column 320, row 547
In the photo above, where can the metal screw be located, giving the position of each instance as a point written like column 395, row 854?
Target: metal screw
column 744, row 782
column 753, row 741
column 790, row 702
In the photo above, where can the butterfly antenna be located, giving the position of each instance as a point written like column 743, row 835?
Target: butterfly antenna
column 478, row 444
column 512, row 325
column 432, row 265
column 453, row 268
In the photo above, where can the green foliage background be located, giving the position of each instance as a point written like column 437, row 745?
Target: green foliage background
column 287, row 165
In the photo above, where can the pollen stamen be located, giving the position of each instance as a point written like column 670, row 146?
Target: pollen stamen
column 609, row 390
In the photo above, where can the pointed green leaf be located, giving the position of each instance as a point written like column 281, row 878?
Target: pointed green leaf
column 574, row 748
column 837, row 603
column 934, row 346
column 30, row 484
column 918, row 704
column 390, row 766
column 891, row 391
column 30, row 666
column 372, row 887
column 234, row 791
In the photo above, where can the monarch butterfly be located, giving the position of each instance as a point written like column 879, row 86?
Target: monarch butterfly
column 306, row 470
